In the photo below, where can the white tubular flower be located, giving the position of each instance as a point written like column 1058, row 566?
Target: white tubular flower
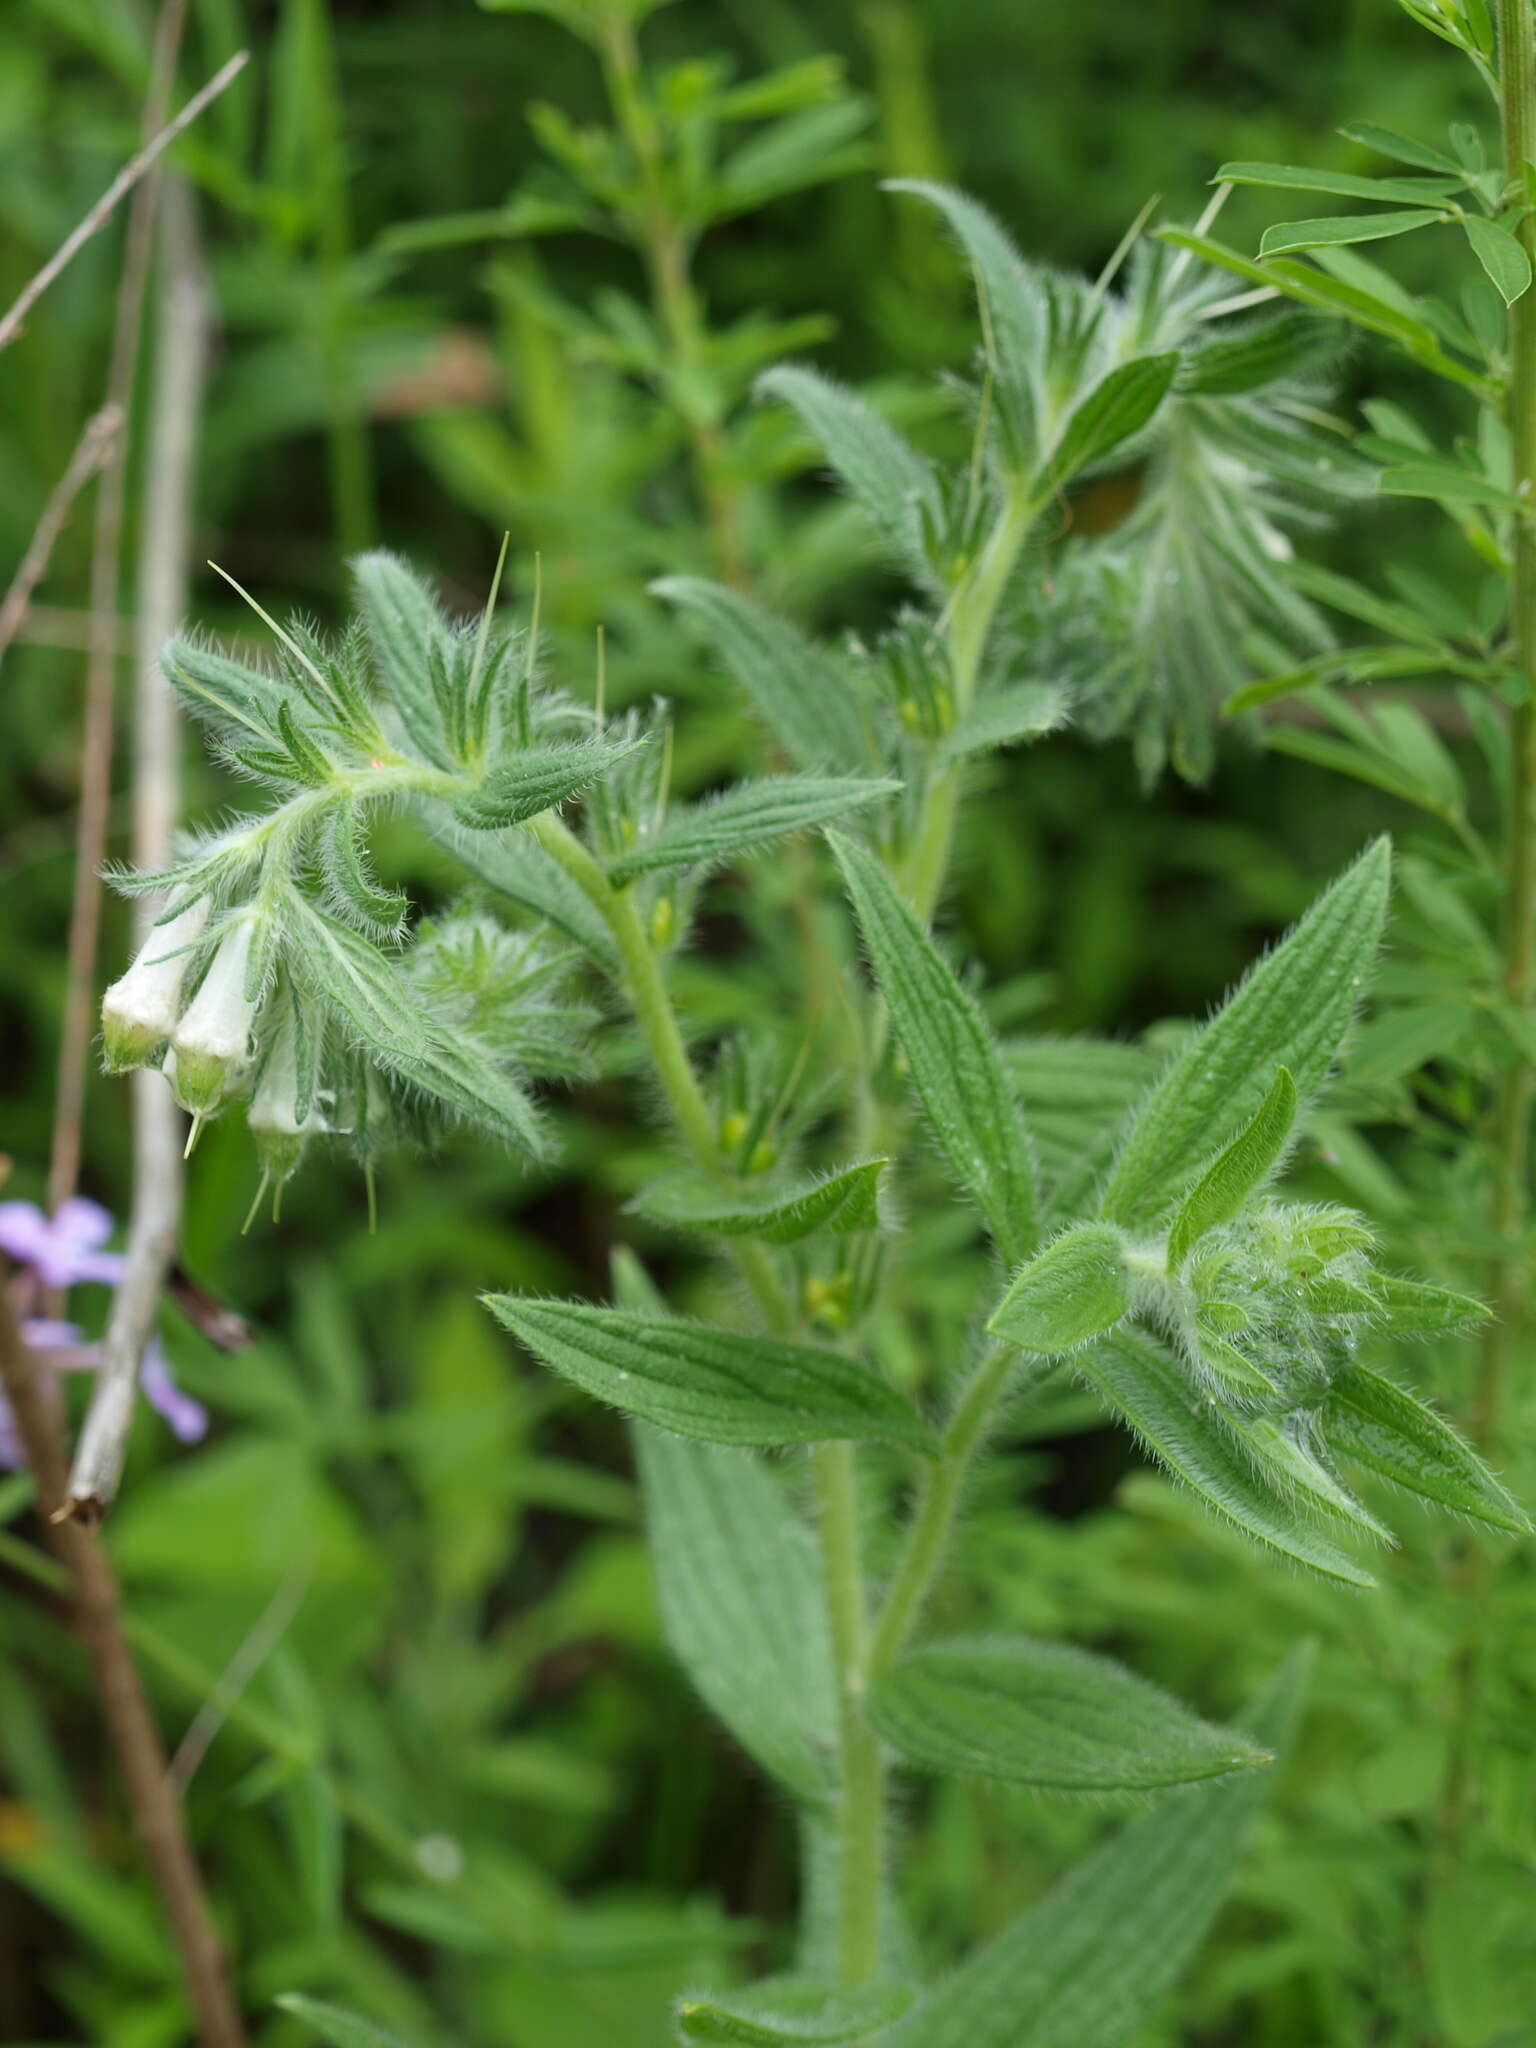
column 274, row 1111
column 138, row 1012
column 211, row 1042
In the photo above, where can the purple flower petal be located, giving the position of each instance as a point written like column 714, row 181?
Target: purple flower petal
column 11, row 1459
column 82, row 1222
column 188, row 1418
column 25, row 1232
column 42, row 1333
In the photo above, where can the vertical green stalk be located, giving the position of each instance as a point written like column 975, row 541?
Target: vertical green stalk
column 861, row 1797
column 673, row 297
column 1517, row 87
column 1505, row 1334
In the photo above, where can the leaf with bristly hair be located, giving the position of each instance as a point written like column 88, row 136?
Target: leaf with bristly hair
column 717, row 1385
column 1041, row 1713
column 1378, row 1424
column 1235, row 1173
column 407, row 632
column 895, row 486
column 782, row 2012
column 538, row 779
column 1293, row 1010
column 1092, row 1962
column 1118, row 407
column 954, row 1060
column 752, row 815
column 354, row 979
column 840, row 1202
column 1144, row 1385
column 1068, row 1294
column 798, row 690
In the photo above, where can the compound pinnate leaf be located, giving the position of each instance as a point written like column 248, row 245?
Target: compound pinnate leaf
column 1378, row 1424
column 338, row 2028
column 800, row 693
column 1232, row 1177
column 741, row 1602
column 1117, row 407
column 954, row 1060
column 1143, row 1384
column 520, row 788
column 1041, row 1713
column 1070, row 1293
column 713, row 1384
column 892, row 482
column 789, row 2009
column 1089, row 1965
column 752, row 815
column 842, row 1201
column 1293, row 1010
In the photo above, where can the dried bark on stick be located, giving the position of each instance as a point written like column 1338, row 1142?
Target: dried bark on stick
column 91, row 451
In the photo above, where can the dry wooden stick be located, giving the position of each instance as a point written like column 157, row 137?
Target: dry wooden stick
column 126, row 179
column 91, row 451
column 135, row 1739
column 164, row 555
column 100, row 674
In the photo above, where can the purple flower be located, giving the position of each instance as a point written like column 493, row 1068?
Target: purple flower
column 63, row 1249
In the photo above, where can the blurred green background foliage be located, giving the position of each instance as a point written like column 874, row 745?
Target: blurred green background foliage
column 467, row 1788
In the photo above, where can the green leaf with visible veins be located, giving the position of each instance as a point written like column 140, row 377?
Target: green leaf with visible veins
column 536, row 780
column 1092, row 1962
column 1042, row 1713
column 716, row 1385
column 842, row 1201
column 1382, row 1426
column 1343, row 227
column 1070, row 1293
column 1293, row 1010
column 753, row 814
column 786, row 2010
column 1118, row 407
column 1141, row 1382
column 953, row 1057
column 1232, row 1177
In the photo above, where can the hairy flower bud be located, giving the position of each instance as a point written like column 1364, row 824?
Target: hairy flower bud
column 274, row 1113
column 211, row 1042
column 138, row 1012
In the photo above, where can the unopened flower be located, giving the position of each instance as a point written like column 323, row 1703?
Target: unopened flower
column 209, row 1046
column 139, row 1010
column 274, row 1113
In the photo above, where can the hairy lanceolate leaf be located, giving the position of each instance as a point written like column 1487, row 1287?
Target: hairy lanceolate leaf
column 954, row 1060
column 1142, row 1383
column 716, row 1385
column 799, row 692
column 741, row 1600
column 355, row 980
column 1117, row 407
column 791, row 2009
column 893, row 483
column 1412, row 1308
column 1233, row 1176
column 1382, row 1426
column 1089, row 1965
column 1265, row 352
column 1041, row 1713
column 1073, row 1291
column 842, row 1201
column 336, row 2027
column 1293, row 1010
column 464, row 1079
column 1022, row 711
column 519, row 788
column 751, row 815
column 409, row 635
column 1015, row 310
column 517, row 867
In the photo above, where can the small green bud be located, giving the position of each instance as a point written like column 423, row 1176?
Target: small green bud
column 211, row 1044
column 733, row 1128
column 662, row 921
column 764, row 1153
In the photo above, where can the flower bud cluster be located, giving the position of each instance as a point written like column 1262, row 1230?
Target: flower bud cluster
column 1271, row 1308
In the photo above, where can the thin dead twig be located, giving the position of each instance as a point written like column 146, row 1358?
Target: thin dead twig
column 100, row 673
column 98, row 1618
column 92, row 449
column 125, row 181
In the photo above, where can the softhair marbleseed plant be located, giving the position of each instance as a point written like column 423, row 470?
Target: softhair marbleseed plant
column 1245, row 1338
